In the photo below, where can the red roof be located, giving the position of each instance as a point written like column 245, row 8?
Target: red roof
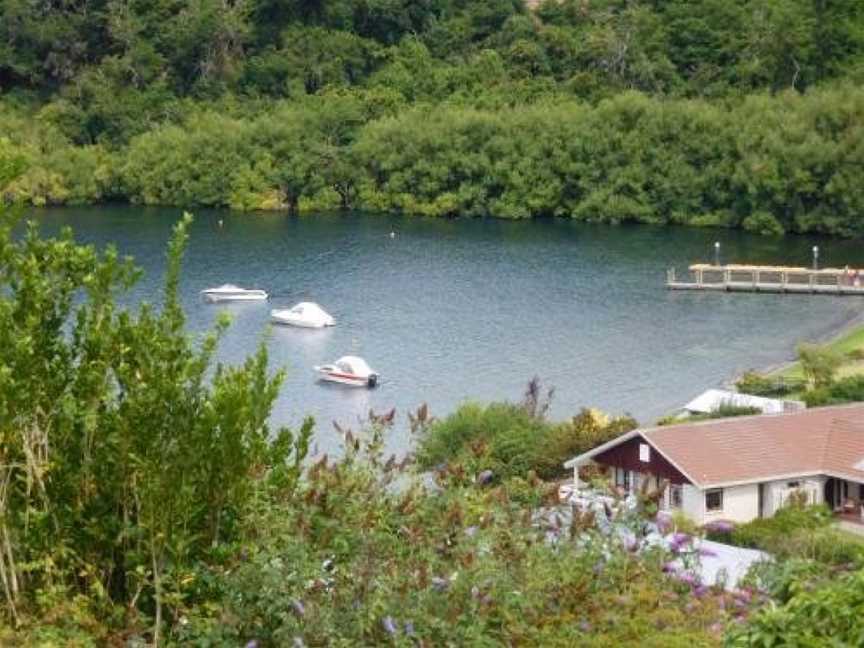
column 746, row 449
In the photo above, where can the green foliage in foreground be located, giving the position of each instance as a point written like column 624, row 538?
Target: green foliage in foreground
column 144, row 499
column 126, row 455
column 351, row 561
column 829, row 615
column 513, row 440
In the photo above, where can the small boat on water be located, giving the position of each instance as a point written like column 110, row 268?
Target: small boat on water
column 349, row 370
column 230, row 292
column 304, row 314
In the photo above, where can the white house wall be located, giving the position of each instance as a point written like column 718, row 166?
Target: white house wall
column 740, row 504
column 777, row 492
column 692, row 503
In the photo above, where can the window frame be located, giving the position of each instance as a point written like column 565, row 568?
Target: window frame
column 709, row 493
column 676, row 496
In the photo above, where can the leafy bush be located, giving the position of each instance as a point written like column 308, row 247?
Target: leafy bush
column 512, row 439
column 349, row 560
column 725, row 410
column 126, row 455
column 812, row 616
column 797, row 532
column 758, row 384
column 819, row 363
column 845, row 390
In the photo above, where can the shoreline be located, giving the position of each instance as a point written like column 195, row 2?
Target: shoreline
column 833, row 333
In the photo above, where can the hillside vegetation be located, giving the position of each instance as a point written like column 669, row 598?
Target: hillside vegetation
column 733, row 113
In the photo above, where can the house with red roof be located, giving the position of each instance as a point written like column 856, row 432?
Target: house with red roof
column 741, row 468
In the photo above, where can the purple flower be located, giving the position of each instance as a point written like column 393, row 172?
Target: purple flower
column 485, row 477
column 252, row 644
column 440, row 584
column 389, row 625
column 670, row 568
column 706, row 553
column 720, row 526
column 700, row 591
column 298, row 607
column 664, row 522
column 409, row 628
column 688, row 579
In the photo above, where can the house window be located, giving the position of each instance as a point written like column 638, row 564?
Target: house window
column 622, row 478
column 676, row 496
column 714, row 500
column 793, row 484
column 644, row 452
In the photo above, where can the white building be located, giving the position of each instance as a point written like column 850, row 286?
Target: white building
column 741, row 468
column 714, row 399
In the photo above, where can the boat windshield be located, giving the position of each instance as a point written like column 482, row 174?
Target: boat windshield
column 345, row 367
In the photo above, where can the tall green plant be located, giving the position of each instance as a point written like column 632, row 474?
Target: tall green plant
column 126, row 452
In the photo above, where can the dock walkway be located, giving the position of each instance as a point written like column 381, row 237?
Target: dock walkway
column 770, row 279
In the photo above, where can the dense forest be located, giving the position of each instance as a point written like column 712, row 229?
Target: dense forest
column 733, row 113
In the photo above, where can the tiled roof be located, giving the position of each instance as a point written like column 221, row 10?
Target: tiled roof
column 826, row 440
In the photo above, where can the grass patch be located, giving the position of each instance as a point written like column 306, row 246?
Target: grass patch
column 849, row 345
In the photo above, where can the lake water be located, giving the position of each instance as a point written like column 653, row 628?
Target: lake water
column 472, row 309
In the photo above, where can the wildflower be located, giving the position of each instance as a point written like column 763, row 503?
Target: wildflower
column 688, row 579
column 705, row 552
column 440, row 584
column 485, row 477
column 471, row 531
column 298, row 608
column 664, row 522
column 389, row 626
column 409, row 628
column 252, row 644
column 670, row 568
column 720, row 526
column 700, row 591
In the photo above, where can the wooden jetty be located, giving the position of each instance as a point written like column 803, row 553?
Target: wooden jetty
column 770, row 279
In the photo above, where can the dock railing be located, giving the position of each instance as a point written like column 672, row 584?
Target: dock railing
column 772, row 279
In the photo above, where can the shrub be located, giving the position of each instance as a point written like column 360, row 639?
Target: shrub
column 819, row 363
column 845, row 390
column 127, row 456
column 820, row 616
column 512, row 439
column 761, row 385
column 797, row 532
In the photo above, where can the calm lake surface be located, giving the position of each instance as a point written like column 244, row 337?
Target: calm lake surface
column 471, row 309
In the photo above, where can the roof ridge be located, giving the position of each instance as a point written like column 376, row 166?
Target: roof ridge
column 731, row 420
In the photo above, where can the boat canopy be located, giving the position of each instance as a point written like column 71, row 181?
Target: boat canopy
column 353, row 365
column 309, row 310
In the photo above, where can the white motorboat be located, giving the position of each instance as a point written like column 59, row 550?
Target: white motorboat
column 304, row 314
column 230, row 292
column 349, row 370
